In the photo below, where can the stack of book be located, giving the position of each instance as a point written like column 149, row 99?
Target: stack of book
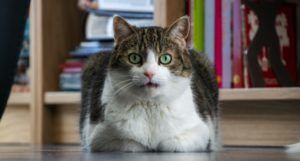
column 225, row 30
column 100, row 21
column 21, row 79
column 70, row 78
column 99, row 35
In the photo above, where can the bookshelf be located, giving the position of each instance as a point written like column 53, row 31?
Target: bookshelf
column 266, row 117
column 254, row 94
column 19, row 99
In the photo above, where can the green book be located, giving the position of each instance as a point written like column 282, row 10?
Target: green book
column 198, row 28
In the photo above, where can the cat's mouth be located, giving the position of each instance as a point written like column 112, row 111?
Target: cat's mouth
column 151, row 85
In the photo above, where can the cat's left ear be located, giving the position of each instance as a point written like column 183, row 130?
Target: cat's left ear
column 180, row 28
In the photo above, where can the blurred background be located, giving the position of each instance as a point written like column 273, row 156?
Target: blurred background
column 60, row 35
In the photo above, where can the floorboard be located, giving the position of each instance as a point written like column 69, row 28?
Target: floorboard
column 73, row 153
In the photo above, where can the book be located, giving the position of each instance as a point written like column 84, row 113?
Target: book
column 209, row 29
column 298, row 41
column 237, row 54
column 218, row 41
column 124, row 14
column 101, row 26
column 226, row 44
column 286, row 30
column 92, row 47
column 128, row 5
column 21, row 78
column 22, row 75
column 25, row 44
column 70, row 81
column 198, row 27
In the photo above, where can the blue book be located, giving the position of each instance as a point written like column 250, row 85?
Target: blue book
column 125, row 14
column 226, row 45
column 209, row 28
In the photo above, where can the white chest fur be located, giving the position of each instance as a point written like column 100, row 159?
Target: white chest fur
column 149, row 123
column 171, row 126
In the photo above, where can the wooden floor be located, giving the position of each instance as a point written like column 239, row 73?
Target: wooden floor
column 73, row 153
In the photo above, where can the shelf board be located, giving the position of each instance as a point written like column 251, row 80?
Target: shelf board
column 253, row 94
column 260, row 94
column 19, row 99
column 62, row 97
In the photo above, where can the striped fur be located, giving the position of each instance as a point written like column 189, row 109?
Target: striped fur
column 186, row 64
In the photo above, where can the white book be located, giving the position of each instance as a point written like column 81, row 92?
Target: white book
column 102, row 26
column 127, row 5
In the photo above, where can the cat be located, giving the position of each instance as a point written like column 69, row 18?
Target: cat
column 150, row 94
column 293, row 148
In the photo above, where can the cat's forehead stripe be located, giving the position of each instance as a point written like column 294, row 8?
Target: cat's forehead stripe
column 150, row 38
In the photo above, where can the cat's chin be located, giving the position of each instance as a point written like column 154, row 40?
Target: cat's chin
column 147, row 91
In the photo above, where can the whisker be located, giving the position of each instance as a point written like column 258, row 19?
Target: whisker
column 123, row 87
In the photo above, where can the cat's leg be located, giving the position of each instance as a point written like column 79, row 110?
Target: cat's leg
column 106, row 139
column 195, row 139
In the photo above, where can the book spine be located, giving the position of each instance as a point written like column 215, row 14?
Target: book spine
column 218, row 41
column 226, row 50
column 237, row 61
column 209, row 33
column 287, row 13
column 298, row 41
column 198, row 19
column 285, row 29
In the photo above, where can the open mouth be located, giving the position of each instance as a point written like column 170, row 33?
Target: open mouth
column 151, row 85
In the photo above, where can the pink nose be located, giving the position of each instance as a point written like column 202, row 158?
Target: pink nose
column 149, row 75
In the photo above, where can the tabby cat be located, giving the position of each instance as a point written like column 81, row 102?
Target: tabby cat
column 150, row 94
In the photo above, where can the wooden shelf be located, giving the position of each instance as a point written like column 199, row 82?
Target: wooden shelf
column 62, row 98
column 253, row 94
column 260, row 94
column 19, row 99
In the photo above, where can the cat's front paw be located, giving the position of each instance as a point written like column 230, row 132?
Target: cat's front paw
column 132, row 146
column 172, row 145
column 119, row 145
column 190, row 141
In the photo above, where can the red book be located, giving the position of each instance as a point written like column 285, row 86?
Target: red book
column 286, row 31
column 218, row 41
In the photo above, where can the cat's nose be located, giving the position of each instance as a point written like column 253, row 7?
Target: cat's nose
column 149, row 74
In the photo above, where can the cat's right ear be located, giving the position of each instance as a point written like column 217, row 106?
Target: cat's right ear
column 122, row 29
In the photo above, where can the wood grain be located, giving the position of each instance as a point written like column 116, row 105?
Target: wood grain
column 57, row 28
column 36, row 72
column 253, row 94
column 72, row 153
column 167, row 11
column 15, row 125
column 260, row 94
column 62, row 98
column 264, row 123
column 65, row 124
column 243, row 123
column 18, row 99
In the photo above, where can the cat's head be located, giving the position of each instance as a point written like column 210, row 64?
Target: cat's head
column 150, row 62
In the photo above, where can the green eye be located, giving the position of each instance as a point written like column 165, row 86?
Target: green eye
column 165, row 59
column 134, row 58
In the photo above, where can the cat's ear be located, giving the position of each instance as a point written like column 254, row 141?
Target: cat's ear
column 180, row 28
column 122, row 29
